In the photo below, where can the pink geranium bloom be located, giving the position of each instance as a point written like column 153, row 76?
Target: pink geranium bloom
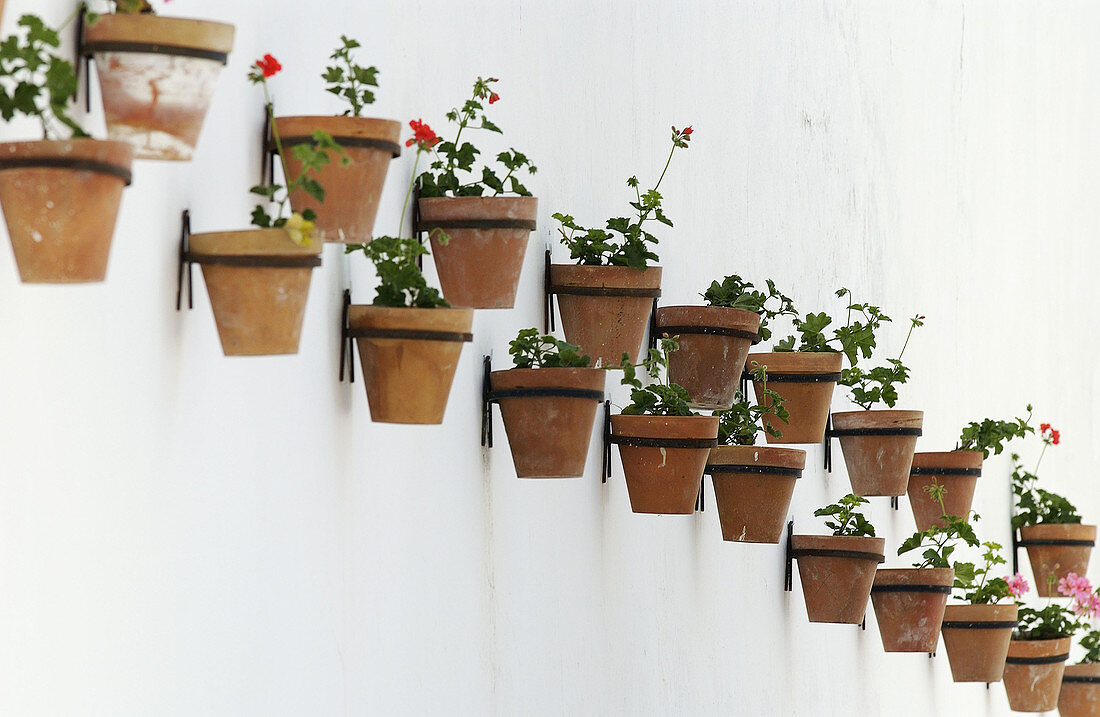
column 1075, row 586
column 1017, row 585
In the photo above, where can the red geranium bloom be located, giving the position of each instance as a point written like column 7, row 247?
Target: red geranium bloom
column 494, row 98
column 1055, row 436
column 1044, row 427
column 269, row 66
column 423, row 136
column 688, row 131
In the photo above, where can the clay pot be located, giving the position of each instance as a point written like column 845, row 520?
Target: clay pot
column 258, row 309
column 836, row 587
column 753, row 486
column 1057, row 560
column 807, row 401
column 479, row 267
column 662, row 479
column 157, row 99
column 61, row 213
column 1080, row 694
column 909, row 604
column 409, row 380
column 352, row 191
column 976, row 638
column 1034, row 686
column 605, row 309
column 948, row 469
column 549, row 435
column 878, row 464
column 708, row 364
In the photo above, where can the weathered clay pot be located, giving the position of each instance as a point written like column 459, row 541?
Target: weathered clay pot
column 479, row 267
column 663, row 479
column 60, row 202
column 807, row 401
column 409, row 380
column 949, row 469
column 549, row 435
column 1080, row 694
column 708, row 364
column 1050, row 563
column 605, row 326
column 1032, row 680
column 878, row 464
column 156, row 98
column 909, row 605
column 976, row 638
column 258, row 309
column 753, row 486
column 352, row 191
column 836, row 587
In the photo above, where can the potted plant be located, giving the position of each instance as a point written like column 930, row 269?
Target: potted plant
column 1050, row 526
column 1080, row 693
column 837, row 570
column 60, row 195
column 878, row 445
column 157, row 75
column 478, row 241
column 976, row 635
column 715, row 339
column 804, row 371
column 958, row 470
column 258, row 279
column 409, row 339
column 909, row 602
column 663, row 443
column 548, row 403
column 605, row 299
column 1040, row 647
column 753, row 484
column 352, row 190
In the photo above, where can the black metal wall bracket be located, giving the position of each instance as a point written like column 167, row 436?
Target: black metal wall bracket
column 547, row 298
column 184, row 263
column 347, row 343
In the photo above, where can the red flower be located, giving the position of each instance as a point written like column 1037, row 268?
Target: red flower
column 269, row 66
column 1055, row 437
column 494, row 98
column 1044, row 427
column 423, row 136
column 688, row 131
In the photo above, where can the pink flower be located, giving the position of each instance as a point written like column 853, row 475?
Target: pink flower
column 1075, row 586
column 1086, row 605
column 1017, row 585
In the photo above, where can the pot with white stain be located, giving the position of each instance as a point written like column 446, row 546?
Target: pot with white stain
column 878, row 448
column 1080, row 694
column 909, row 605
column 1033, row 673
column 836, row 572
column 714, row 341
column 663, row 459
column 157, row 76
column 258, row 281
column 806, row 381
column 753, row 486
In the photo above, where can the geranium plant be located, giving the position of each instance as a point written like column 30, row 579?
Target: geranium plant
column 530, row 349
column 992, row 435
column 1056, row 620
column 940, row 541
column 1035, row 505
column 452, row 171
column 879, row 384
column 662, row 398
column 348, row 80
column 976, row 585
column 845, row 518
column 625, row 240
column 735, row 293
column 741, row 424
column 856, row 339
column 37, row 82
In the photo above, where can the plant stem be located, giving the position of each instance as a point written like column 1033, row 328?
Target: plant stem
column 278, row 147
column 911, row 327
column 643, row 216
column 1035, row 471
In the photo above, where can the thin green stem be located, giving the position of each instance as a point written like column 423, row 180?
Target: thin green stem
column 416, row 163
column 911, row 327
column 1035, row 471
column 278, row 146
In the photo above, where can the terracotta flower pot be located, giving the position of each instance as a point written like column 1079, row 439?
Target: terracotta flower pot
column 806, row 382
column 351, row 192
column 605, row 309
column 714, row 341
column 1080, row 694
column 1055, row 549
column 157, row 76
column 549, row 435
column 956, row 471
column 1033, row 673
column 836, row 574
column 258, row 282
column 664, row 478
column 409, row 380
column 480, row 264
column 60, row 202
column 878, row 449
column 753, row 486
column 909, row 604
column 976, row 638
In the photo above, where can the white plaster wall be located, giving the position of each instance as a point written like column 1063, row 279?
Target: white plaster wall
column 186, row 534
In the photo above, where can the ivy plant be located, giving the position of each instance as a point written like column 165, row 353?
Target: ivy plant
column 531, row 349
column 624, row 241
column 991, row 435
column 940, row 541
column 37, row 82
column 879, row 384
column 452, row 172
column 735, row 293
column 349, row 81
column 845, row 518
column 743, row 421
column 661, row 398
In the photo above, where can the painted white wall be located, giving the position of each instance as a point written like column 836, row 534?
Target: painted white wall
column 186, row 534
